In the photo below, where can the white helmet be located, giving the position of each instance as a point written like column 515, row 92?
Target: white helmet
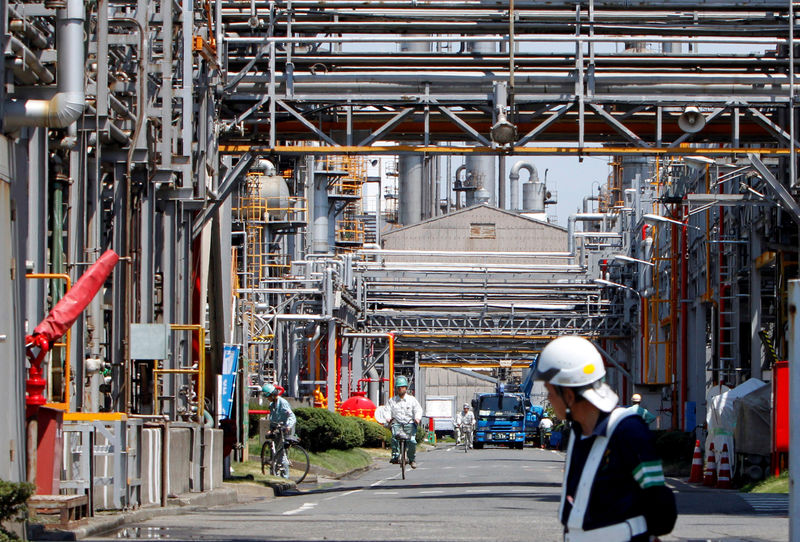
column 574, row 362
column 636, row 398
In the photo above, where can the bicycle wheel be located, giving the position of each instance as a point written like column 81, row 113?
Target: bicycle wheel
column 266, row 457
column 298, row 459
column 466, row 443
column 403, row 458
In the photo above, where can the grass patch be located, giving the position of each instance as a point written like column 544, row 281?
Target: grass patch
column 336, row 461
column 341, row 461
column 773, row 484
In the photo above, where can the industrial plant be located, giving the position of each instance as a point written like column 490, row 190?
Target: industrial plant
column 201, row 197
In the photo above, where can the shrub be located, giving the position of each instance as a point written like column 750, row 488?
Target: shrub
column 351, row 435
column 422, row 433
column 375, row 435
column 252, row 427
column 13, row 497
column 674, row 446
column 318, row 428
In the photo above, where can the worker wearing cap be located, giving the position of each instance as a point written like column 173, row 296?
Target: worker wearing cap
column 465, row 418
column 613, row 486
column 406, row 416
column 280, row 416
column 638, row 409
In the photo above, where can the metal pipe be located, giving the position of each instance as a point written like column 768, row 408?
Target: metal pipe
column 488, row 254
column 582, row 217
column 21, row 25
column 321, row 227
column 716, row 40
column 68, row 103
column 514, row 178
column 30, row 60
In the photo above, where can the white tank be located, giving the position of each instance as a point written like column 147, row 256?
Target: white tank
column 275, row 191
column 533, row 196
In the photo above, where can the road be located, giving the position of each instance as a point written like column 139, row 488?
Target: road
column 490, row 494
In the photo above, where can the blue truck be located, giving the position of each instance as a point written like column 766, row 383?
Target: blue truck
column 499, row 418
column 507, row 416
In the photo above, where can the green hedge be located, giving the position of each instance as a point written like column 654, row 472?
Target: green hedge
column 13, row 499
column 375, row 435
column 320, row 429
column 352, row 435
column 422, row 432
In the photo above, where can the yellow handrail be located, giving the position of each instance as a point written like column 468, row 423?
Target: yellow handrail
column 200, row 371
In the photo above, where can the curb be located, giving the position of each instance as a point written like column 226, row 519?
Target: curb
column 101, row 524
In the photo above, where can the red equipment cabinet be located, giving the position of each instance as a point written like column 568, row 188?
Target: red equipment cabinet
column 780, row 413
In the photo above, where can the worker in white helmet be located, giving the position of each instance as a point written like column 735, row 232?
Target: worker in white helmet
column 465, row 423
column 613, row 487
column 638, row 409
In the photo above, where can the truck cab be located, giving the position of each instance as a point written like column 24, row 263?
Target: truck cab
column 500, row 419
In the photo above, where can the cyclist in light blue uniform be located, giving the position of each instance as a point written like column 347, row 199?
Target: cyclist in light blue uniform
column 280, row 412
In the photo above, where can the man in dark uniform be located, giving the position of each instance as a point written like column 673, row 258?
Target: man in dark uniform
column 614, row 487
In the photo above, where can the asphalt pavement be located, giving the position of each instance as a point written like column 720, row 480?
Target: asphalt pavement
column 490, row 494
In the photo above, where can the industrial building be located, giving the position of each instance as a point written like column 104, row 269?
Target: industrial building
column 223, row 149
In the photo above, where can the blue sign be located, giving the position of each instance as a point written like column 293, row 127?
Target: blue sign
column 230, row 362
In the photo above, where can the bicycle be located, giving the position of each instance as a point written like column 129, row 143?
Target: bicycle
column 402, row 439
column 466, row 435
column 272, row 456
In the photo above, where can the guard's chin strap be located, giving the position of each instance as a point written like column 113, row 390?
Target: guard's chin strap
column 568, row 409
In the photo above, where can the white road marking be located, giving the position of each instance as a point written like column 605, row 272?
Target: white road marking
column 478, row 491
column 520, row 490
column 431, row 492
column 307, row 506
column 385, row 493
column 445, row 468
column 345, row 494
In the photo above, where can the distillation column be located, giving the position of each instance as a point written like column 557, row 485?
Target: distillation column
column 410, row 168
column 481, row 169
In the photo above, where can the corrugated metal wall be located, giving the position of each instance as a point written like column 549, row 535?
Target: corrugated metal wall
column 447, row 382
column 480, row 229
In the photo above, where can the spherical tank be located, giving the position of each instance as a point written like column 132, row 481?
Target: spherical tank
column 275, row 192
column 358, row 405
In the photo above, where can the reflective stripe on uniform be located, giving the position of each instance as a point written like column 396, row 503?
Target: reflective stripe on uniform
column 583, row 491
column 619, row 532
column 649, row 474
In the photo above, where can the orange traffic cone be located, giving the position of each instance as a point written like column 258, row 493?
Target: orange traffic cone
column 710, row 475
column 696, row 476
column 724, row 478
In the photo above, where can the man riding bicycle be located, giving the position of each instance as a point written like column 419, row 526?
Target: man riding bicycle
column 280, row 416
column 406, row 414
column 465, row 419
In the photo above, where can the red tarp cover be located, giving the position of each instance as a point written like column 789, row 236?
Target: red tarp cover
column 72, row 304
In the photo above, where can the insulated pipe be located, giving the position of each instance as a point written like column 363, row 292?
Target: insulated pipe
column 69, row 102
column 513, row 177
column 20, row 24
column 586, row 200
column 321, row 227
column 582, row 217
column 30, row 60
column 374, row 385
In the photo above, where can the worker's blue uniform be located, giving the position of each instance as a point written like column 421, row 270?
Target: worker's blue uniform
column 628, row 484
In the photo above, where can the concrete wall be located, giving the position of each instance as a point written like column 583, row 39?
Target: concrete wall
column 480, row 229
column 212, row 459
column 151, row 450
column 179, row 449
